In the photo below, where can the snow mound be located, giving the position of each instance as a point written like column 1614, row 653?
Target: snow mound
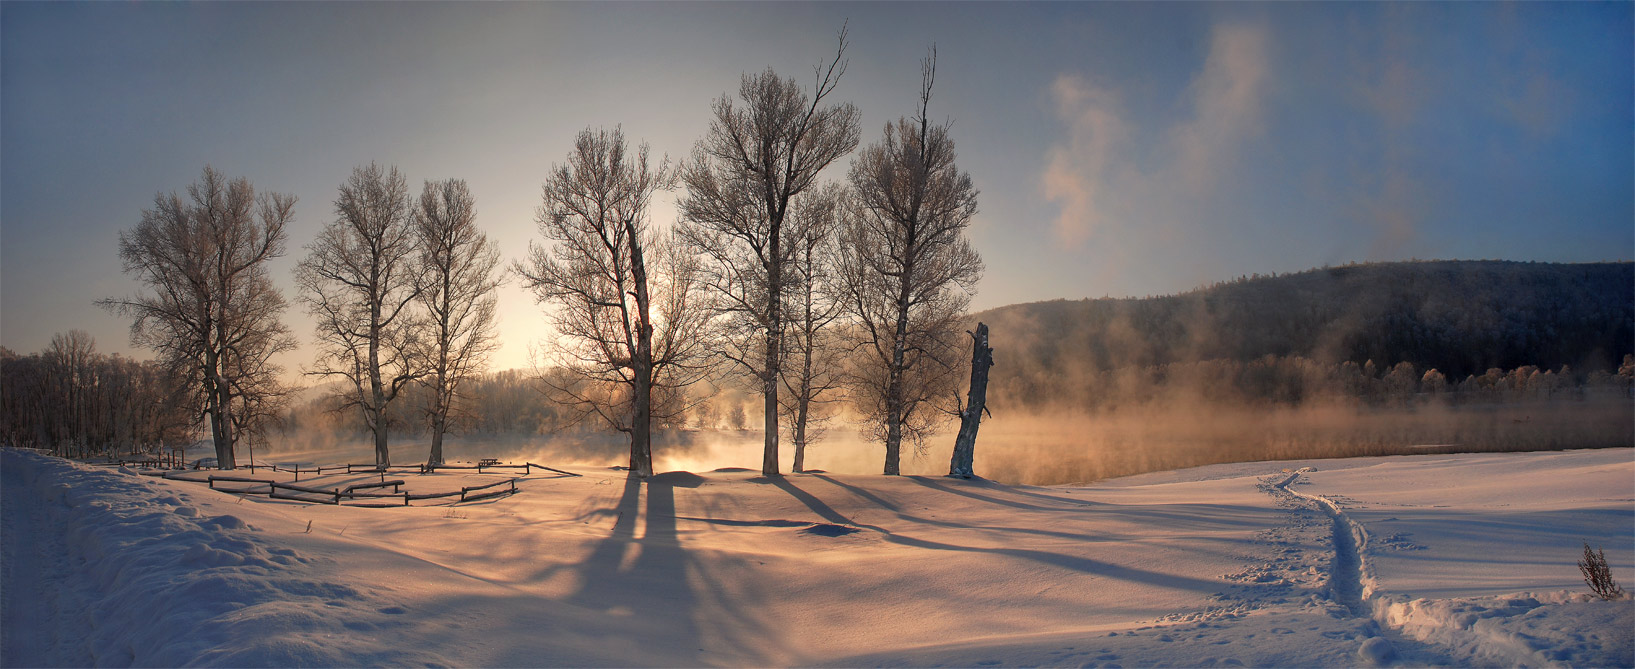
column 1522, row 630
column 145, row 580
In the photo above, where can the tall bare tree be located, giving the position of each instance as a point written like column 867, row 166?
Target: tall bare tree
column 909, row 271
column 457, row 291
column 214, row 312
column 813, row 373
column 359, row 281
column 759, row 154
column 630, row 334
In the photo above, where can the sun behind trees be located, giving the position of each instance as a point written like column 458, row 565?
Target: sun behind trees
column 457, row 284
column 402, row 294
column 761, row 152
column 359, row 281
column 626, row 299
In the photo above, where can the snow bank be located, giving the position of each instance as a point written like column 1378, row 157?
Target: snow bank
column 1559, row 629
column 146, row 579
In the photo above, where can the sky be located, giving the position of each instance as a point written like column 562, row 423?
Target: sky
column 1121, row 149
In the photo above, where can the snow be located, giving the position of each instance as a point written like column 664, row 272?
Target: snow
column 1429, row 559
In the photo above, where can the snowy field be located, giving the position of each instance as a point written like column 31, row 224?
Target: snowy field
column 1464, row 560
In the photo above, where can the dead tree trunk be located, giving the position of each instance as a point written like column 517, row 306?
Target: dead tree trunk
column 975, row 403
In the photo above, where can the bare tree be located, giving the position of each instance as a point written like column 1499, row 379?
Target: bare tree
column 908, row 273
column 214, row 312
column 72, row 360
column 970, row 415
column 359, row 281
column 756, row 158
column 457, row 291
column 817, row 354
column 625, row 301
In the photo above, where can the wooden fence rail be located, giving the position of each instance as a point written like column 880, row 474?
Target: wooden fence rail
column 361, row 491
column 466, row 496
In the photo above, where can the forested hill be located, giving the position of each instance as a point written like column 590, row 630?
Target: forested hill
column 1459, row 317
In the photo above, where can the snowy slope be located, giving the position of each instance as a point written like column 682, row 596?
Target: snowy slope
column 1225, row 565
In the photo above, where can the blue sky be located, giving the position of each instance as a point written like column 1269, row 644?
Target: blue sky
column 1120, row 148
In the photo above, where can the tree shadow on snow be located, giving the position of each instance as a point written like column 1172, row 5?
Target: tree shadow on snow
column 1073, row 562
column 671, row 602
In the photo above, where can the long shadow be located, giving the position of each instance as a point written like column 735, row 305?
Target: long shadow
column 1080, row 564
column 1187, row 512
column 662, row 594
column 881, row 502
column 819, row 507
column 1018, row 490
column 651, row 594
column 1066, row 504
column 876, row 499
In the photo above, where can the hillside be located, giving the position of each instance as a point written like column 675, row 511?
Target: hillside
column 1459, row 317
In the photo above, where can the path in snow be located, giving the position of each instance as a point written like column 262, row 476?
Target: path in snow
column 1565, row 629
column 1350, row 585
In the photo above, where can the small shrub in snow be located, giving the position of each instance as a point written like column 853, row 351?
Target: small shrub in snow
column 1598, row 575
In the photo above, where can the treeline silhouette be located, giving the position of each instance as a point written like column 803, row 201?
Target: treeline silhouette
column 80, row 403
column 1478, row 329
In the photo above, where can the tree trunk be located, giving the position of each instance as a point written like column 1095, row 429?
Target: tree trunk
column 441, row 399
column 216, row 396
column 803, row 405
column 377, row 391
column 641, row 429
column 438, row 425
column 774, row 353
column 894, row 382
column 894, row 440
column 975, row 403
column 223, row 421
column 382, row 459
column 769, row 456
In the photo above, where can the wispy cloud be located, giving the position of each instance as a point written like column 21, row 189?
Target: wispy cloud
column 1093, row 176
column 1227, row 106
column 1077, row 172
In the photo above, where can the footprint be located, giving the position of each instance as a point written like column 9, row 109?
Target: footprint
column 393, row 610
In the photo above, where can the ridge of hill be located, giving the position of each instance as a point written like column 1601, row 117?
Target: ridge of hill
column 1459, row 317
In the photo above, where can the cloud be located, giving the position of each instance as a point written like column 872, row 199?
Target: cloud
column 1227, row 107
column 1076, row 174
column 1093, row 176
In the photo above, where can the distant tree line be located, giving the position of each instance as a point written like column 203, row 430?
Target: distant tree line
column 77, row 402
column 1360, row 331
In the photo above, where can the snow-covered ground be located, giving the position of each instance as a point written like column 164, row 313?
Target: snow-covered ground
column 1419, row 560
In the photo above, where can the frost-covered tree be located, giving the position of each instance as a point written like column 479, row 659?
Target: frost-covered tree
column 762, row 151
column 212, row 312
column 908, row 273
column 360, row 281
column 626, row 305
column 812, row 373
column 457, row 284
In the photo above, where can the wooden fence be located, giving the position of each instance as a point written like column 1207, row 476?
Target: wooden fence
column 361, row 494
column 362, row 491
